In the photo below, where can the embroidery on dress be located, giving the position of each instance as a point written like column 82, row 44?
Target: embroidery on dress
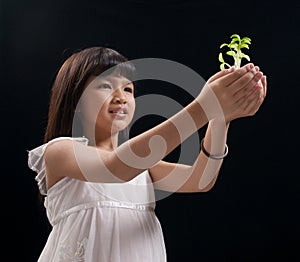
column 73, row 253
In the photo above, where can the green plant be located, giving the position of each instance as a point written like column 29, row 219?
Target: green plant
column 236, row 45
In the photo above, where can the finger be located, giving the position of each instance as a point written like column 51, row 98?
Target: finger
column 252, row 107
column 242, row 101
column 243, row 92
column 246, row 83
column 238, row 73
column 220, row 74
column 247, row 90
column 249, row 106
column 264, row 83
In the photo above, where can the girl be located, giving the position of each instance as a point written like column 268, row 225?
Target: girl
column 99, row 195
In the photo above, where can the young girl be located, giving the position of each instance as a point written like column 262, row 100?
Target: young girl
column 99, row 195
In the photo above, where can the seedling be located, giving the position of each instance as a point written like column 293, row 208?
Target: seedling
column 236, row 45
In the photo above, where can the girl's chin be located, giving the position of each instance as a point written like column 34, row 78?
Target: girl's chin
column 118, row 129
column 119, row 126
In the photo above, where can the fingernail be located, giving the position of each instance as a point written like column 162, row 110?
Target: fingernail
column 253, row 70
column 230, row 69
column 257, row 87
column 250, row 66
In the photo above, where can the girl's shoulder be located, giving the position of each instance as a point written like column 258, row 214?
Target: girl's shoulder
column 36, row 160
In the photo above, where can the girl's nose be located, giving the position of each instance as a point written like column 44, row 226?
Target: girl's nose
column 119, row 97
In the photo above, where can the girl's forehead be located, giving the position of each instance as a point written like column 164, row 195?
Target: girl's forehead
column 114, row 79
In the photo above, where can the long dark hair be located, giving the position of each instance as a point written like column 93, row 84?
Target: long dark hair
column 70, row 82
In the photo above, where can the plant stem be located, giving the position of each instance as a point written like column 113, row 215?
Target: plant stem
column 237, row 60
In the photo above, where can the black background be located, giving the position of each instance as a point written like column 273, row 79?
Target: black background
column 252, row 212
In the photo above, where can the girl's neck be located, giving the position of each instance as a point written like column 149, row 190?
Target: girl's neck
column 103, row 141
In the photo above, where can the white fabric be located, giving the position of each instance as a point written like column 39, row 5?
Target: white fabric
column 94, row 222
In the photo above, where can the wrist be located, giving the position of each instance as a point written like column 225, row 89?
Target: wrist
column 213, row 156
column 210, row 104
column 197, row 113
column 219, row 122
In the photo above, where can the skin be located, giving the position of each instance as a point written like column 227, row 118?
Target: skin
column 240, row 93
column 111, row 93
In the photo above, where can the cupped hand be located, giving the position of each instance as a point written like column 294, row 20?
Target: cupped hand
column 234, row 93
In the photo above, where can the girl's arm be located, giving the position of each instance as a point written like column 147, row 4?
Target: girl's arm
column 146, row 150
column 202, row 175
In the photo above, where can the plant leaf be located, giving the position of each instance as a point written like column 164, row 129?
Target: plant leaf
column 246, row 57
column 245, row 37
column 233, row 46
column 234, row 40
column 223, row 45
column 244, row 46
column 235, row 35
column 246, row 40
column 221, row 59
column 231, row 53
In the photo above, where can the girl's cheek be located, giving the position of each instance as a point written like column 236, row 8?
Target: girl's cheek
column 92, row 105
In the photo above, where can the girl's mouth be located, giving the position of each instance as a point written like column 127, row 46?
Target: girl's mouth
column 118, row 111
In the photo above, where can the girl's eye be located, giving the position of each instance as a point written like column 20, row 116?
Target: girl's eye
column 105, row 86
column 128, row 89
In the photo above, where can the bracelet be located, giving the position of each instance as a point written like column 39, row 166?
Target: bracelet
column 216, row 157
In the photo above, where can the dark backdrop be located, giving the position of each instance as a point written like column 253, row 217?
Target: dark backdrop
column 252, row 212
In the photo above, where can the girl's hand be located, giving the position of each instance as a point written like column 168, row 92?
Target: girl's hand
column 250, row 104
column 233, row 93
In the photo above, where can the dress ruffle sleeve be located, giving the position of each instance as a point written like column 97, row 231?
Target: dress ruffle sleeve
column 36, row 161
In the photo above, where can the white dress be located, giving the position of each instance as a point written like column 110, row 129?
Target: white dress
column 99, row 222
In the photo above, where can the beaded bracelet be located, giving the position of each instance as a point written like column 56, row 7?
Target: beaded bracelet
column 216, row 157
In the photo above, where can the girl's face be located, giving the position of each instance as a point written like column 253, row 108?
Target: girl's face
column 108, row 103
